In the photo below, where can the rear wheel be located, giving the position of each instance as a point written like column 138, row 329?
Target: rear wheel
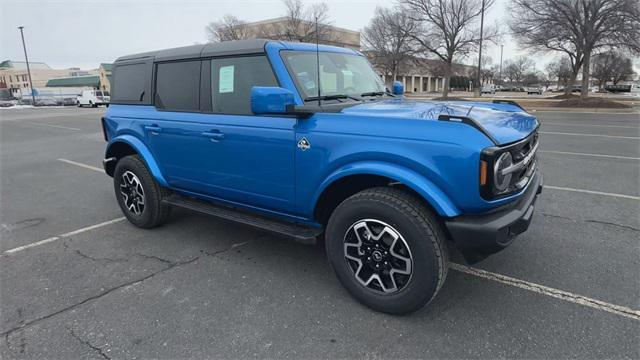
column 387, row 250
column 138, row 194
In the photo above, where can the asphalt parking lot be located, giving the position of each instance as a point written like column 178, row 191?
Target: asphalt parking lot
column 76, row 281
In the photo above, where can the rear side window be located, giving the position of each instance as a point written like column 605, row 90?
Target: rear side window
column 129, row 83
column 178, row 86
column 232, row 80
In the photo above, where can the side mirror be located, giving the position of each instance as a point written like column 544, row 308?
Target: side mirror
column 271, row 100
column 398, row 88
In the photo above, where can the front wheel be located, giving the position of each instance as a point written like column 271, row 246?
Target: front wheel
column 387, row 249
column 138, row 194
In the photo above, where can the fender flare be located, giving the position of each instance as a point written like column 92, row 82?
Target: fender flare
column 419, row 183
column 144, row 153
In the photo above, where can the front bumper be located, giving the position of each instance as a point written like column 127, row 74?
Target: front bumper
column 478, row 236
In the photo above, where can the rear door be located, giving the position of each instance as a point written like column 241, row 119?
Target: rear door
column 173, row 126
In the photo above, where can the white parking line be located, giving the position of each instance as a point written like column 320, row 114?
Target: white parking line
column 53, row 126
column 82, row 165
column 61, row 236
column 592, row 135
column 588, row 154
column 44, row 115
column 592, row 192
column 507, row 280
column 589, row 125
column 545, row 290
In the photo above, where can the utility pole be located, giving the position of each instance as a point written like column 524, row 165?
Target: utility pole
column 500, row 76
column 33, row 96
column 480, row 50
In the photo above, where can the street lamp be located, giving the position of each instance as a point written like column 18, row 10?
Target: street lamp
column 33, row 96
column 500, row 74
column 480, row 50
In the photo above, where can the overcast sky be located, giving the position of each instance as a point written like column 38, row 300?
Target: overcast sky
column 87, row 32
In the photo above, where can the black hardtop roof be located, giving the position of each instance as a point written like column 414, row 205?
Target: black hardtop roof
column 238, row 47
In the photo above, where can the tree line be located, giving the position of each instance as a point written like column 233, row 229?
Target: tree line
column 594, row 38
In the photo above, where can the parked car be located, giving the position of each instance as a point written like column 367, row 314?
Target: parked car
column 69, row 101
column 488, row 89
column 93, row 98
column 239, row 130
column 534, row 90
column 8, row 103
column 46, row 101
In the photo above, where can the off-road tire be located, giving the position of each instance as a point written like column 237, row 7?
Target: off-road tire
column 154, row 212
column 415, row 223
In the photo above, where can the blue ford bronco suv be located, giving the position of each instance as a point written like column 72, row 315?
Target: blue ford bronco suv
column 306, row 141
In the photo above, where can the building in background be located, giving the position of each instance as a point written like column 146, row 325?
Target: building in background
column 426, row 75
column 15, row 79
column 14, row 76
column 273, row 28
column 104, row 71
column 91, row 81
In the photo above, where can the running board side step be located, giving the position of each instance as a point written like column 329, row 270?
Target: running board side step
column 301, row 233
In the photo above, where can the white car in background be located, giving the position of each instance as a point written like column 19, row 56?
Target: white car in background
column 488, row 89
column 93, row 98
column 534, row 90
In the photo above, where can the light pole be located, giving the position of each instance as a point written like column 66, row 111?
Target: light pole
column 26, row 58
column 500, row 73
column 480, row 50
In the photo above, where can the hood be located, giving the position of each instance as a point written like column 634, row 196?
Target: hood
column 506, row 123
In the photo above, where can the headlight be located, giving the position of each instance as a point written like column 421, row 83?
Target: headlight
column 501, row 182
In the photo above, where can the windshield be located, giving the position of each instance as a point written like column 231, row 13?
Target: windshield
column 340, row 74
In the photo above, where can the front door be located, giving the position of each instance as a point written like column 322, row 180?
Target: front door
column 224, row 151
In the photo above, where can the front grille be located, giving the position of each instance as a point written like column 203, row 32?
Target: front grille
column 524, row 156
column 522, row 168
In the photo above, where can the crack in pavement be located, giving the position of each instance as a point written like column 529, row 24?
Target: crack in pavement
column 170, row 265
column 117, row 260
column 627, row 227
column 89, row 345
column 29, row 323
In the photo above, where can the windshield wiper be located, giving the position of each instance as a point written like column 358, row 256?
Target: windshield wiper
column 332, row 97
column 372, row 93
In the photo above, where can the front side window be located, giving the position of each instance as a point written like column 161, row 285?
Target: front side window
column 232, row 80
column 340, row 74
column 178, row 86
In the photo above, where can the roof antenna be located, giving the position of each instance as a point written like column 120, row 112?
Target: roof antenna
column 318, row 61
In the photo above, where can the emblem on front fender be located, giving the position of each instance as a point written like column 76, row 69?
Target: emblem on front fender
column 304, row 144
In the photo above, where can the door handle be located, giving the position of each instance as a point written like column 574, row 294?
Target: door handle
column 154, row 129
column 214, row 135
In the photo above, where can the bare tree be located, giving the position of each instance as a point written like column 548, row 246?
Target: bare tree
column 487, row 70
column 388, row 39
column 300, row 24
column 531, row 78
column 516, row 69
column 578, row 28
column 562, row 72
column 228, row 28
column 448, row 29
column 611, row 66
